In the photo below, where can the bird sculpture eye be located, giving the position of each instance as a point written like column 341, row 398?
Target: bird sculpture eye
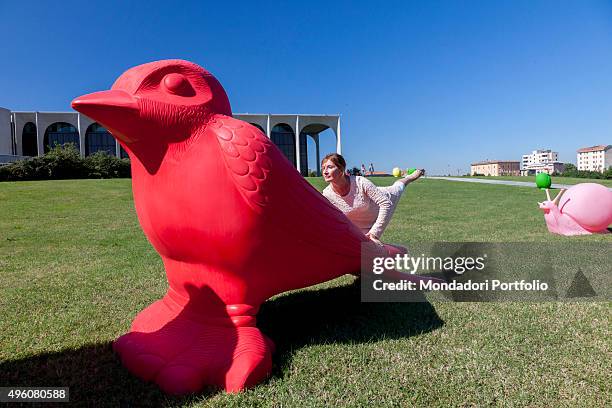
column 177, row 84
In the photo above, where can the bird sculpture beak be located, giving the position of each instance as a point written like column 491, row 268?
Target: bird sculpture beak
column 96, row 103
column 113, row 109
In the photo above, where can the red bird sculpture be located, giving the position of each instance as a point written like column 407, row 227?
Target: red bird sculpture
column 231, row 218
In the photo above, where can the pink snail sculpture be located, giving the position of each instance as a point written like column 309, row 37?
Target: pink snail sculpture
column 585, row 208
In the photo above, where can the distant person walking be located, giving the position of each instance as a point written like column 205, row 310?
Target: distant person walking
column 371, row 169
column 363, row 170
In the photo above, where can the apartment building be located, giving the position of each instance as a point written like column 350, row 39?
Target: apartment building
column 539, row 156
column 541, row 161
column 594, row 158
column 496, row 168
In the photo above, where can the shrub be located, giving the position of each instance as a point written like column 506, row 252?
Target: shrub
column 29, row 169
column 572, row 171
column 103, row 165
column 65, row 162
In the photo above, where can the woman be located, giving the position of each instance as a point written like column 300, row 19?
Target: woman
column 367, row 206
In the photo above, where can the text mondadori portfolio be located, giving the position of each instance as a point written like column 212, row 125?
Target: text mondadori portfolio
column 459, row 265
column 492, row 285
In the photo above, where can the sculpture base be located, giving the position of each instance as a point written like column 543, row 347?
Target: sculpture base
column 183, row 353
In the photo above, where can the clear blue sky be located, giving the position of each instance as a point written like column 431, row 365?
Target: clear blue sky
column 427, row 84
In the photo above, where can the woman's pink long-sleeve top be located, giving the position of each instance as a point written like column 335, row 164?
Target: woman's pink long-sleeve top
column 365, row 205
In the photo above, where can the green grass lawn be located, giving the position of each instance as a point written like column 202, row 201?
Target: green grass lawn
column 556, row 180
column 76, row 269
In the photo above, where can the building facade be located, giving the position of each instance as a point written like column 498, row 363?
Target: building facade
column 541, row 161
column 27, row 134
column 495, row 168
column 594, row 158
column 549, row 168
column 539, row 156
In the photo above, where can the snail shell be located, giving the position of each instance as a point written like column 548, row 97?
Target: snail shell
column 589, row 204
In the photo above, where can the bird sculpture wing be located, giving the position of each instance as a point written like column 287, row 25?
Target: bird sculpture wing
column 259, row 168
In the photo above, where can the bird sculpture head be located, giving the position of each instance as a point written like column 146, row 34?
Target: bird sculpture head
column 156, row 104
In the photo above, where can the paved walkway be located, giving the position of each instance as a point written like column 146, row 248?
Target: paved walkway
column 503, row 182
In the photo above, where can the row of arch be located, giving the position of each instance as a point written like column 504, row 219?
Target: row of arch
column 283, row 136
column 97, row 138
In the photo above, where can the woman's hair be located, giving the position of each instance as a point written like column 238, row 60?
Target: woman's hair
column 337, row 159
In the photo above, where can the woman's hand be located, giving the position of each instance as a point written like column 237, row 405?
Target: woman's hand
column 374, row 239
column 415, row 175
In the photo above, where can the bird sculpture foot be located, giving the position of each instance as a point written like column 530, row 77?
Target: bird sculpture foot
column 183, row 353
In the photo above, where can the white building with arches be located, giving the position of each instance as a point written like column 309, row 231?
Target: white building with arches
column 27, row 134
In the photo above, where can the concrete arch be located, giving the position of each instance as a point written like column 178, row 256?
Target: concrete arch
column 60, row 133
column 314, row 135
column 19, row 121
column 262, row 121
column 304, row 170
column 259, row 127
column 46, row 119
column 288, row 120
column 97, row 138
column 313, row 128
column 315, row 124
column 84, row 123
column 29, row 144
column 293, row 121
column 283, row 136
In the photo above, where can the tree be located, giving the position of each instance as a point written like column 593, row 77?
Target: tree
column 569, row 171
